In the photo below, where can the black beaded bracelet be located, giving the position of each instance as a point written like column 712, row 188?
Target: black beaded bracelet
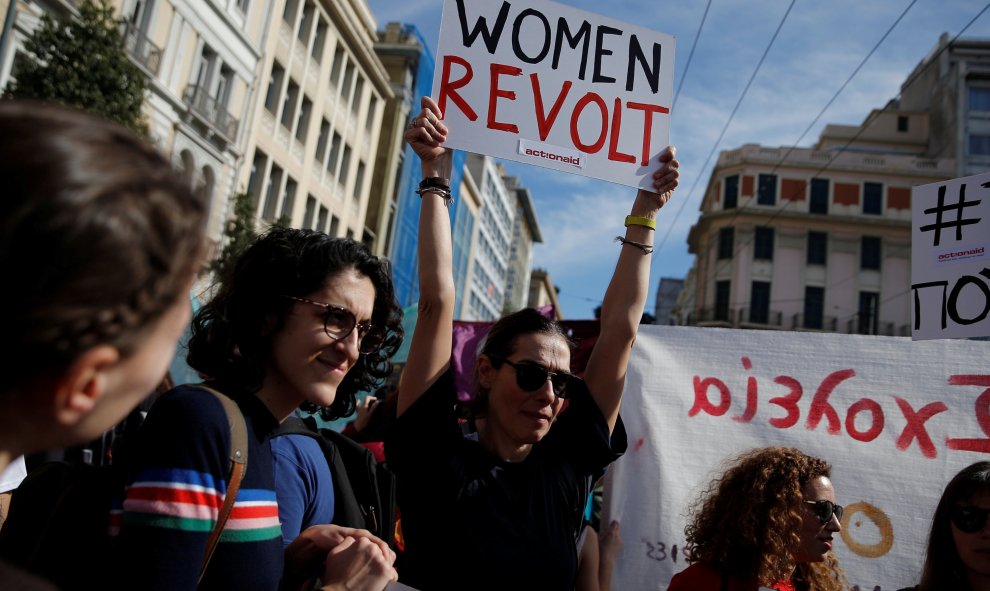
column 438, row 185
column 646, row 248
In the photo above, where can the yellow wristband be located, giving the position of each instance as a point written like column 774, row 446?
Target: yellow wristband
column 635, row 220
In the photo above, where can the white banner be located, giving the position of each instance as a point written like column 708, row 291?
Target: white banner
column 546, row 84
column 895, row 418
column 950, row 258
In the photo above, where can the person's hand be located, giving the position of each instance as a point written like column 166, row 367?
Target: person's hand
column 364, row 411
column 305, row 555
column 610, row 542
column 357, row 564
column 426, row 134
column 665, row 179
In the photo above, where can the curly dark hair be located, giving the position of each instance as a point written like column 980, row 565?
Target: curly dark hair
column 747, row 521
column 501, row 342
column 99, row 237
column 232, row 334
column 943, row 568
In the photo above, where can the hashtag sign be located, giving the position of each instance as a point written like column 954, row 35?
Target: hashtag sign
column 942, row 208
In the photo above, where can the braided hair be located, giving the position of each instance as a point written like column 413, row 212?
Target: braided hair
column 99, row 236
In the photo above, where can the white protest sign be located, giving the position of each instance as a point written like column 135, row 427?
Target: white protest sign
column 950, row 258
column 895, row 418
column 546, row 84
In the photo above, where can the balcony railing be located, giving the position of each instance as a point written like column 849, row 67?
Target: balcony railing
column 762, row 317
column 215, row 114
column 141, row 49
column 823, row 323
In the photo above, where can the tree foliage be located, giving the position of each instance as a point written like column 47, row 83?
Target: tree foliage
column 82, row 62
column 239, row 233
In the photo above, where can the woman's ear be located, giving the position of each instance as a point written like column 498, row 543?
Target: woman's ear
column 486, row 372
column 83, row 383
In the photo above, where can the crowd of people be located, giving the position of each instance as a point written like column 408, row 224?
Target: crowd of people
column 104, row 240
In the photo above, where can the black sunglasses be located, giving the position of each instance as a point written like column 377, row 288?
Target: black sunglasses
column 531, row 377
column 825, row 509
column 969, row 519
column 338, row 322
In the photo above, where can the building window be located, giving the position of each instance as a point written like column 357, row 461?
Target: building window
column 817, row 248
column 271, row 194
column 242, row 5
column 358, row 181
column 358, row 99
column 369, row 123
column 345, row 86
column 309, row 11
column 873, row 198
column 310, row 212
column 345, row 164
column 258, row 166
column 814, row 306
column 321, row 142
column 289, row 105
column 288, row 200
column 869, row 311
column 319, row 41
column 869, row 254
column 902, row 123
column 763, row 244
column 979, row 145
column 289, row 13
column 731, row 193
column 302, row 122
column 321, row 219
column 338, row 62
column 722, row 301
column 766, row 191
column 726, row 242
column 979, row 98
column 274, row 88
column 759, row 303
column 334, row 154
column 819, row 196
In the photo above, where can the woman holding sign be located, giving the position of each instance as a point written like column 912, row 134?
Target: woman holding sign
column 500, row 509
column 768, row 522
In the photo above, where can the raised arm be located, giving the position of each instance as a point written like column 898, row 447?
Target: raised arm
column 625, row 297
column 429, row 353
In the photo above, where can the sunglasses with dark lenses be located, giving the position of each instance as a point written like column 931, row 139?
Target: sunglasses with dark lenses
column 969, row 519
column 531, row 377
column 338, row 322
column 825, row 509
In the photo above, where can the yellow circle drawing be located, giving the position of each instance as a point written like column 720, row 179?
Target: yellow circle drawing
column 880, row 519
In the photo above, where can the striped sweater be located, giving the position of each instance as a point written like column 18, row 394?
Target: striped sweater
column 179, row 484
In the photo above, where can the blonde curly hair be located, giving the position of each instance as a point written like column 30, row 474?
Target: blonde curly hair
column 747, row 521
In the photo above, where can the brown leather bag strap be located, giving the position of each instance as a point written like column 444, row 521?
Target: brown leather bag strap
column 238, row 465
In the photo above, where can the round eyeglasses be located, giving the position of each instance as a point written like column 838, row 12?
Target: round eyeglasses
column 338, row 322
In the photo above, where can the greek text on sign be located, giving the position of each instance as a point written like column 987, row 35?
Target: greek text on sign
column 950, row 269
column 546, row 84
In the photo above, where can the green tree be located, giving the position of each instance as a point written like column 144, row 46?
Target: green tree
column 82, row 62
column 239, row 233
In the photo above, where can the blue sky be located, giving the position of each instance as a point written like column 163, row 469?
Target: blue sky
column 819, row 46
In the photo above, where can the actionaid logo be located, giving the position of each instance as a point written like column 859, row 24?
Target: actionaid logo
column 961, row 254
column 551, row 153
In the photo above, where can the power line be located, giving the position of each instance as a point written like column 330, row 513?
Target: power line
column 858, row 133
column 732, row 115
column 687, row 65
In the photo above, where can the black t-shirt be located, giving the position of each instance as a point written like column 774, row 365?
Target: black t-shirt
column 473, row 521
